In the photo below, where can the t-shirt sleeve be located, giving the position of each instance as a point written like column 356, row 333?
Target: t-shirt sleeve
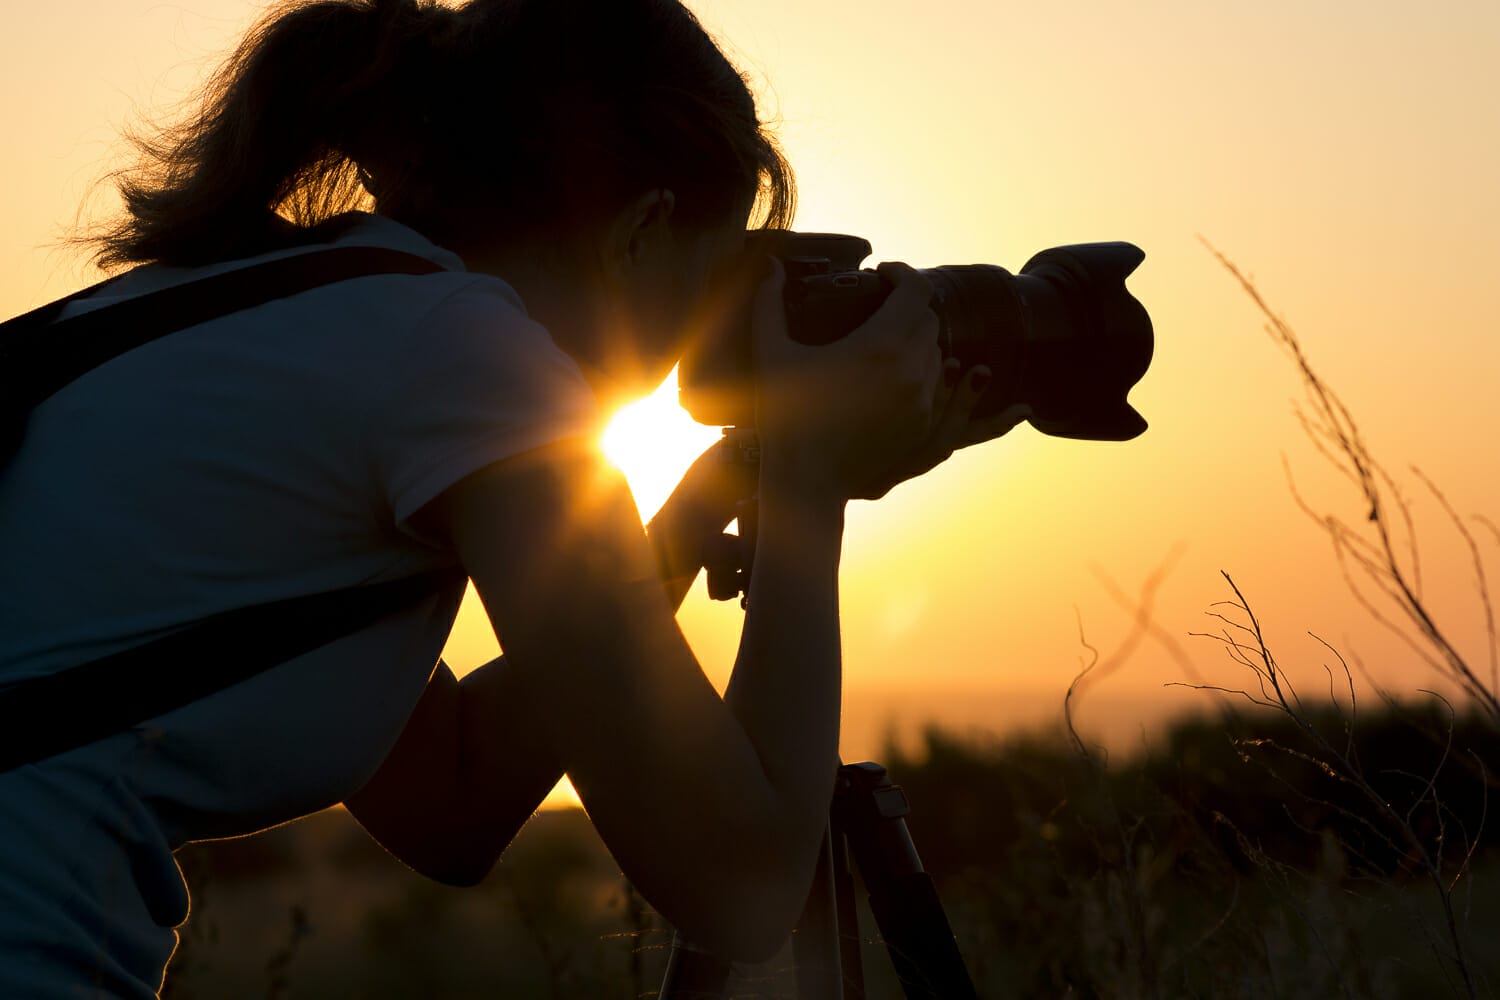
column 477, row 382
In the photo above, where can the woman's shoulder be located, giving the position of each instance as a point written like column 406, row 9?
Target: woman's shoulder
column 449, row 304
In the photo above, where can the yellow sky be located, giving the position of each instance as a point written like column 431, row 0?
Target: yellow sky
column 1345, row 154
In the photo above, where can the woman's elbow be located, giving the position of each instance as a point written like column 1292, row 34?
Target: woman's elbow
column 456, row 870
column 448, row 852
column 749, row 918
column 764, row 929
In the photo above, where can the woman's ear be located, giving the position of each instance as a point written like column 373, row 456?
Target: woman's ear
column 640, row 231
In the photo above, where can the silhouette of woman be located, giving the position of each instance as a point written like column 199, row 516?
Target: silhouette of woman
column 579, row 170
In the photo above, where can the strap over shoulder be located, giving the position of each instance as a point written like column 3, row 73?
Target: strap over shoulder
column 49, row 715
column 39, row 354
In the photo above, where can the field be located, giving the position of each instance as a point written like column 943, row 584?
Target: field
column 1225, row 864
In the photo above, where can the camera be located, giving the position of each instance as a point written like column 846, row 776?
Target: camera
column 1062, row 336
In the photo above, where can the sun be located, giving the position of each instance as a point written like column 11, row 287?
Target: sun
column 653, row 441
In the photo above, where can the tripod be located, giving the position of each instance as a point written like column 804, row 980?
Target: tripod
column 866, row 825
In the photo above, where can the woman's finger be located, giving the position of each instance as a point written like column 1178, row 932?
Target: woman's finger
column 951, row 431
column 901, row 312
column 947, row 386
column 768, row 309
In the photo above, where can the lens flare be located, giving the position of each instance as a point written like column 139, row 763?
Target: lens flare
column 653, row 441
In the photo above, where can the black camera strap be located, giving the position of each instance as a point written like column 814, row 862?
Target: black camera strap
column 47, row 715
column 39, row 354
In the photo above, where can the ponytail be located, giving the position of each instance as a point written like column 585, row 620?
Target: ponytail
column 501, row 116
column 273, row 147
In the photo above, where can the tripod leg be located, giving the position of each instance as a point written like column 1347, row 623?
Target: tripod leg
column 848, row 918
column 871, row 810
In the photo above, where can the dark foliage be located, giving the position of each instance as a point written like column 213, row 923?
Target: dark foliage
column 1217, row 863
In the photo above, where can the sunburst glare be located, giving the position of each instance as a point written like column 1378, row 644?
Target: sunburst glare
column 653, row 441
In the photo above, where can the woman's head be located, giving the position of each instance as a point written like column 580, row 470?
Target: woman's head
column 499, row 121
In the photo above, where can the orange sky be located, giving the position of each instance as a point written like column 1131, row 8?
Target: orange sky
column 1344, row 154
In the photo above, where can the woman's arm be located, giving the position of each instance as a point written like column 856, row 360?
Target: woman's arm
column 713, row 807
column 446, row 800
column 440, row 802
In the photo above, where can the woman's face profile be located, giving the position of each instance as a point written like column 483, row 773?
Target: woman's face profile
column 667, row 291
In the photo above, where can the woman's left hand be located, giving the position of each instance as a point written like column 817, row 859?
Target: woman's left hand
column 955, row 426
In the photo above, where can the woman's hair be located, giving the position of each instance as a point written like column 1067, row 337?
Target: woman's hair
column 494, row 120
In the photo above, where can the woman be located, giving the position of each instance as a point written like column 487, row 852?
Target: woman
column 578, row 170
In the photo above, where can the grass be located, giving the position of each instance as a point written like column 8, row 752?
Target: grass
column 1224, row 862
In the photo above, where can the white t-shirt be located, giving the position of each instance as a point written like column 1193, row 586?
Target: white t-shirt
column 270, row 453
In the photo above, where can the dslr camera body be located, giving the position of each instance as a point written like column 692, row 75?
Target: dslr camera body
column 1062, row 336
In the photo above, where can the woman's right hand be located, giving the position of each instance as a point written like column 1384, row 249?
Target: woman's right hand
column 839, row 417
